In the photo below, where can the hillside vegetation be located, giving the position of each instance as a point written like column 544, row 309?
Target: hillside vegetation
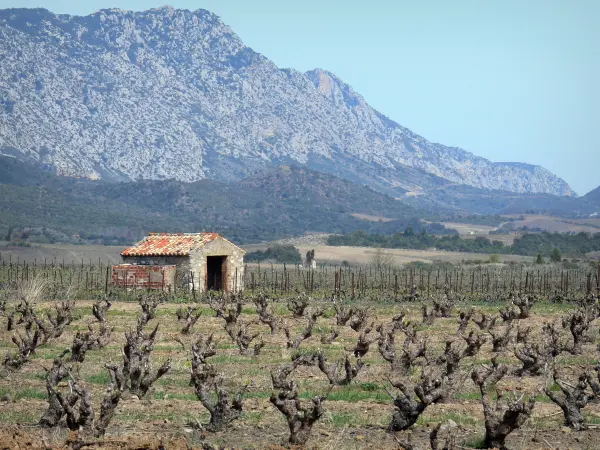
column 467, row 199
column 528, row 245
column 286, row 201
column 593, row 196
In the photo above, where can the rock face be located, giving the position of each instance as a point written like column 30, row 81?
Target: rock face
column 171, row 93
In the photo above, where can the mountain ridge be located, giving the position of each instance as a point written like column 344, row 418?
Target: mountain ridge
column 593, row 196
column 170, row 93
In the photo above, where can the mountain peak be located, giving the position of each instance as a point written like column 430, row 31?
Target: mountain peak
column 170, row 93
column 334, row 88
column 167, row 8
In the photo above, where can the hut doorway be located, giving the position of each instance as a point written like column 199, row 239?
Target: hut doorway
column 215, row 272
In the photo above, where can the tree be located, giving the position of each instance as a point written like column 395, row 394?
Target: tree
column 382, row 259
column 279, row 253
column 494, row 259
column 555, row 256
column 504, row 415
column 310, row 255
column 9, row 233
column 539, row 259
column 571, row 399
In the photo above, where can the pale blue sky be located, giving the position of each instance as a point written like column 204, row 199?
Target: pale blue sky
column 510, row 80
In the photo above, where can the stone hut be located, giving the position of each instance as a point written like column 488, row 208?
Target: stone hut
column 204, row 261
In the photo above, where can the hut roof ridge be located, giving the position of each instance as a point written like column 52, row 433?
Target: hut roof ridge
column 171, row 244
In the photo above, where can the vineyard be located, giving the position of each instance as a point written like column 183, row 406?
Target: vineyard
column 477, row 282
column 498, row 356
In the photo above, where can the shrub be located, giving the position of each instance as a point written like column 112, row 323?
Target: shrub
column 555, row 256
column 279, row 253
column 494, row 259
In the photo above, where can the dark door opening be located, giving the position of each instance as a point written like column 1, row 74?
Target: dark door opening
column 215, row 268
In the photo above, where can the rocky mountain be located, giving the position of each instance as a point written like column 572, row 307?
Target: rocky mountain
column 174, row 94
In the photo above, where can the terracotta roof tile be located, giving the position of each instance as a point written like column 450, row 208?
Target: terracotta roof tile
column 167, row 244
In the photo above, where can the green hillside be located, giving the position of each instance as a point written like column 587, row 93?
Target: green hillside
column 593, row 197
column 283, row 202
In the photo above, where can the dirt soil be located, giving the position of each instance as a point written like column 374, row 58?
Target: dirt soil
column 558, row 224
column 364, row 255
column 357, row 415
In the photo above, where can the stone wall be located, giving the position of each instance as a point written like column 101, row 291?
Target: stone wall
column 182, row 278
column 157, row 260
column 144, row 276
column 235, row 260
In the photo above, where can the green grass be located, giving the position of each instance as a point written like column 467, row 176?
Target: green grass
column 82, row 312
column 547, row 422
column 471, row 395
column 356, row 393
column 461, row 419
column 226, row 346
column 175, row 379
column 329, row 313
column 542, row 398
column 15, row 417
column 25, row 393
column 257, row 394
column 38, row 376
column 577, row 361
column 475, row 442
column 98, row 378
column 161, row 395
column 252, row 418
column 476, row 396
column 205, row 311
column 343, row 420
column 591, row 419
column 351, row 393
column 119, row 313
column 171, row 416
column 235, row 359
column 167, row 348
column 488, row 361
column 369, row 387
